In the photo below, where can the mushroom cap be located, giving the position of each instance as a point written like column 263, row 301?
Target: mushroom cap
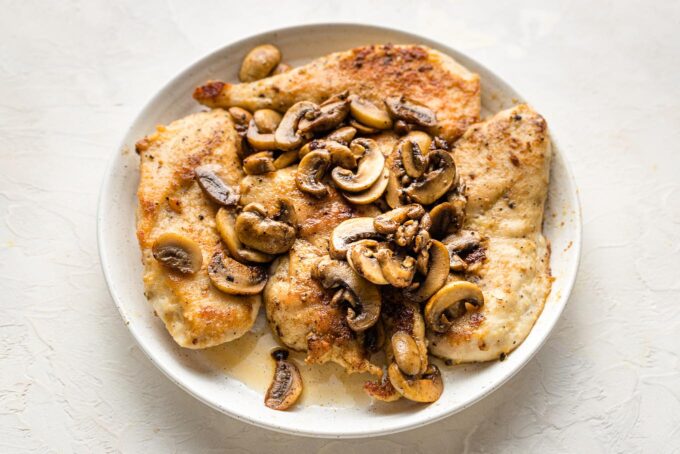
column 368, row 114
column 435, row 183
column 361, row 256
column 258, row 140
column 437, row 273
column 349, row 231
column 410, row 111
column 371, row 194
column 214, row 188
column 390, row 221
column 235, row 278
column 286, row 135
column 178, row 253
column 225, row 222
column 259, row 63
column 256, row 230
column 397, row 270
column 331, row 114
column 369, row 169
column 412, row 158
column 426, row 388
column 311, row 171
column 451, row 301
column 409, row 356
column 286, row 386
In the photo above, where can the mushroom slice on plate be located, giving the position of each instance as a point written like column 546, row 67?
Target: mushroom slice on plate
column 271, row 235
column 436, row 275
column 361, row 128
column 331, row 114
column 393, row 191
column 350, row 231
column 412, row 158
column 450, row 302
column 371, row 194
column 311, row 171
column 259, row 163
column 422, row 138
column 178, row 253
column 259, row 63
column 390, row 221
column 214, row 188
column 235, row 278
column 410, row 111
column 368, row 171
column 363, row 295
column 342, row 135
column 361, row 256
column 285, row 159
column 267, row 120
column 368, row 114
column 225, row 222
column 286, row 135
column 240, row 116
column 410, row 358
column 259, row 140
column 436, row 182
column 397, row 270
column 445, row 218
column 426, row 388
column 286, row 385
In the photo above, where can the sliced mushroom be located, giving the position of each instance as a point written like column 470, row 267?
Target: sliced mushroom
column 259, row 63
column 462, row 245
column 259, row 163
column 257, row 230
column 389, row 222
column 436, row 275
column 362, row 129
column 311, row 171
column 286, row 135
column 214, row 188
column 423, row 140
column 285, row 159
column 410, row 111
column 425, row 388
column 350, row 231
column 436, row 182
column 342, row 135
column 365, row 296
column 361, row 256
column 393, row 192
column 240, row 116
column 258, row 140
column 331, row 115
column 445, row 218
column 407, row 354
column 369, row 169
column 235, row 278
column 341, row 155
column 371, row 194
column 286, row 385
column 225, row 222
column 267, row 120
column 178, row 253
column 397, row 270
column 368, row 114
column 412, row 158
column 450, row 302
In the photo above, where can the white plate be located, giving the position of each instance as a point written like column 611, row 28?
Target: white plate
column 121, row 263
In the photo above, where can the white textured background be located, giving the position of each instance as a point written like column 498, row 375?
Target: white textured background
column 606, row 75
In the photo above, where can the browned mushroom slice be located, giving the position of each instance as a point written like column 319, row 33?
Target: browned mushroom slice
column 178, row 253
column 350, row 231
column 410, row 358
column 410, row 111
column 342, row 135
column 361, row 256
column 257, row 230
column 362, row 129
column 426, row 388
column 240, row 116
column 235, row 278
column 286, row 136
column 445, row 217
column 259, row 163
column 368, row 114
column 363, row 295
column 311, row 171
column 285, row 159
column 450, row 302
column 214, row 188
column 390, row 221
column 258, row 140
column 368, row 171
column 331, row 115
column 267, row 120
column 371, row 194
column 225, row 222
column 397, row 270
column 436, row 182
column 393, row 191
column 259, row 63
column 464, row 246
column 423, row 140
column 286, row 385
column 436, row 275
column 412, row 158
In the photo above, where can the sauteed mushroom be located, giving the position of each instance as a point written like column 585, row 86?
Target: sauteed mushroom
column 412, row 158
column 332, row 113
column 397, row 270
column 462, row 244
column 259, row 62
column 214, row 188
column 445, row 217
column 311, row 171
column 450, row 302
column 407, row 354
column 371, row 194
column 178, row 253
column 259, row 140
column 368, row 171
column 425, row 388
column 436, row 275
column 361, row 256
column 225, row 222
column 350, row 231
column 390, row 221
column 423, row 140
column 361, row 128
column 436, row 182
column 363, row 295
column 240, row 116
column 286, row 135
column 267, row 120
column 342, row 135
column 286, row 384
column 285, row 159
column 235, row 278
column 367, row 113
column 273, row 235
column 410, row 111
column 259, row 163
column 393, row 191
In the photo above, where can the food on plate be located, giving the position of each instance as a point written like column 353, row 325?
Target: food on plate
column 362, row 199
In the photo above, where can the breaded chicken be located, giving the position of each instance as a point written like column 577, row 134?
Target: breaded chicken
column 196, row 314
column 374, row 72
column 505, row 162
